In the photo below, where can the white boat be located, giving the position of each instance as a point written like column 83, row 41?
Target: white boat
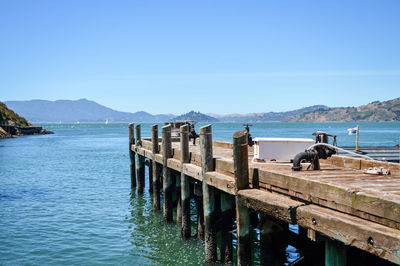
column 106, row 122
column 352, row 131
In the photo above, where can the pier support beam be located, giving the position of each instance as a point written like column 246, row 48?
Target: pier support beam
column 198, row 197
column 150, row 166
column 227, row 216
column 139, row 161
column 167, row 178
column 241, row 166
column 271, row 250
column 335, row 253
column 132, row 154
column 178, row 198
column 185, row 186
column 155, row 170
column 207, row 164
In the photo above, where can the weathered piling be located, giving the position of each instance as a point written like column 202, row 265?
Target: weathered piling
column 270, row 240
column 156, row 178
column 167, row 178
column 139, row 161
column 185, row 185
column 150, row 165
column 132, row 154
column 227, row 217
column 178, row 198
column 198, row 197
column 241, row 165
column 335, row 253
column 207, row 165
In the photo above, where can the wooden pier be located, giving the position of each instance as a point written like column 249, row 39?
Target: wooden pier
column 343, row 215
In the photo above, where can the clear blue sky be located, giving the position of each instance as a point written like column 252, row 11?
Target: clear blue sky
column 209, row 56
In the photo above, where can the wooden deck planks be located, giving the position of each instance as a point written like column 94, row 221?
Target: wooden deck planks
column 350, row 230
column 339, row 185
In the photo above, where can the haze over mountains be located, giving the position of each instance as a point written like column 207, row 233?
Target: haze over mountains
column 81, row 110
column 267, row 117
column 84, row 110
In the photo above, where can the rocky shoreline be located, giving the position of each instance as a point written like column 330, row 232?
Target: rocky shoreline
column 12, row 125
column 7, row 131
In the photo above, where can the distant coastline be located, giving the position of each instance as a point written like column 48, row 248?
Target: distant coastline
column 86, row 111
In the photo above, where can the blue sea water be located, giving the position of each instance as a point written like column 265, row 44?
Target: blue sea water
column 66, row 198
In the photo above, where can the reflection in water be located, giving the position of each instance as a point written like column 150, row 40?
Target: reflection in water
column 160, row 242
column 157, row 241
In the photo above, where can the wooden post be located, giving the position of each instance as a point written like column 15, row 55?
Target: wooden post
column 241, row 166
column 227, row 216
column 357, row 137
column 167, row 178
column 139, row 161
column 271, row 250
column 335, row 253
column 132, row 154
column 150, row 166
column 156, row 178
column 198, row 197
column 207, row 164
column 185, row 186
column 178, row 198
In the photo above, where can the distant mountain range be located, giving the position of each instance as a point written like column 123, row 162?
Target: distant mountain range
column 375, row 111
column 84, row 110
column 266, row 117
column 195, row 116
column 81, row 110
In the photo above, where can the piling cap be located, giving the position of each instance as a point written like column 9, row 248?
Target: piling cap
column 240, row 136
column 184, row 128
column 205, row 130
column 166, row 127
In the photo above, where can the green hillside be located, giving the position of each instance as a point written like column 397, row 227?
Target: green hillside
column 375, row 111
column 8, row 117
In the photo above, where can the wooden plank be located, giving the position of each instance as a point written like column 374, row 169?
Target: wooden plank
column 348, row 229
column 343, row 161
column 147, row 144
column 221, row 182
column 224, row 166
column 274, row 205
column 174, row 164
column 192, row 171
column 352, row 231
column 378, row 205
column 222, row 144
